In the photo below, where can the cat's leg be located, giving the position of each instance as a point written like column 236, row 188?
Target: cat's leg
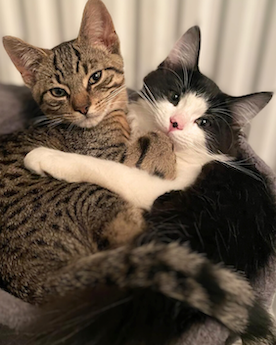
column 134, row 185
column 126, row 225
column 154, row 153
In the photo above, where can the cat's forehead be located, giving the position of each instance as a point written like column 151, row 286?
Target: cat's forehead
column 194, row 103
column 73, row 61
column 183, row 80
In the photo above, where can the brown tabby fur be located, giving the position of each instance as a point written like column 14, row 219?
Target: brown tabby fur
column 48, row 225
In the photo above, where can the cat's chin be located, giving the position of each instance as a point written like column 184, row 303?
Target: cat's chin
column 90, row 122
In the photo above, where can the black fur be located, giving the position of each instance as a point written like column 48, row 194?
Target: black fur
column 120, row 321
column 227, row 214
column 144, row 143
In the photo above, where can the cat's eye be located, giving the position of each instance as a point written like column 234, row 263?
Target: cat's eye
column 95, row 77
column 203, row 122
column 174, row 97
column 58, row 92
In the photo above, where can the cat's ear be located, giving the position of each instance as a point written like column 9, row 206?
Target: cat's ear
column 185, row 52
column 25, row 57
column 97, row 27
column 245, row 108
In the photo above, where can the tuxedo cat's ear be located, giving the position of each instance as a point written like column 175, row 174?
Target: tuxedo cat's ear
column 186, row 50
column 97, row 27
column 25, row 57
column 245, row 108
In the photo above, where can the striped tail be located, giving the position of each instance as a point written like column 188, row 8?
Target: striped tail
column 147, row 295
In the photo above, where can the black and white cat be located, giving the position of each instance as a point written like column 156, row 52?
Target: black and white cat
column 202, row 122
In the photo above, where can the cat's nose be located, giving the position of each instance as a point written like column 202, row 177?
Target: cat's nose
column 83, row 109
column 81, row 103
column 177, row 122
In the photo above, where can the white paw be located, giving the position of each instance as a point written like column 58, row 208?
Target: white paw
column 58, row 164
column 33, row 160
column 44, row 160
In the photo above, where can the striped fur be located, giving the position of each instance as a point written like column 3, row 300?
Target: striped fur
column 45, row 224
column 143, row 296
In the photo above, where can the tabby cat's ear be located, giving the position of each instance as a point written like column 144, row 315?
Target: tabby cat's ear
column 186, row 50
column 25, row 57
column 245, row 108
column 97, row 27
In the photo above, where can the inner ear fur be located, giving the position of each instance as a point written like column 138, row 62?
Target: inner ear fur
column 25, row 57
column 245, row 108
column 185, row 52
column 97, row 27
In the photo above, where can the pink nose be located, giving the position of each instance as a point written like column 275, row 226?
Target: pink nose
column 177, row 122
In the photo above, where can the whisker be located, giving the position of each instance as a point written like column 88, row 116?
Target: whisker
column 154, row 101
column 149, row 96
column 236, row 165
column 81, row 321
column 152, row 106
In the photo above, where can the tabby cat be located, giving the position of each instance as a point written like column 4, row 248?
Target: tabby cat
column 204, row 125
column 47, row 224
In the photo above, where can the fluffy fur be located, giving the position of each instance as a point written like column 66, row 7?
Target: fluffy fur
column 204, row 125
column 202, row 122
column 126, row 282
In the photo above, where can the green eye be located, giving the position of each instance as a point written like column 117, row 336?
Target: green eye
column 58, row 92
column 174, row 97
column 95, row 77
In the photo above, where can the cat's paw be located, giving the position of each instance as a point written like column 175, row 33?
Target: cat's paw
column 33, row 159
column 44, row 161
column 60, row 165
column 154, row 153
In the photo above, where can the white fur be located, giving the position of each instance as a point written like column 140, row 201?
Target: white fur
column 134, row 185
column 190, row 108
column 141, row 119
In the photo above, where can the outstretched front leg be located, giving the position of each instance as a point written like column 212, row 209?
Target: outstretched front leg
column 134, row 185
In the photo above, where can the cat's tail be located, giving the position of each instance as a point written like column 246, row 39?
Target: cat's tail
column 148, row 295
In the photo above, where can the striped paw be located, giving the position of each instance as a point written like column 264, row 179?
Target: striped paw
column 153, row 153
